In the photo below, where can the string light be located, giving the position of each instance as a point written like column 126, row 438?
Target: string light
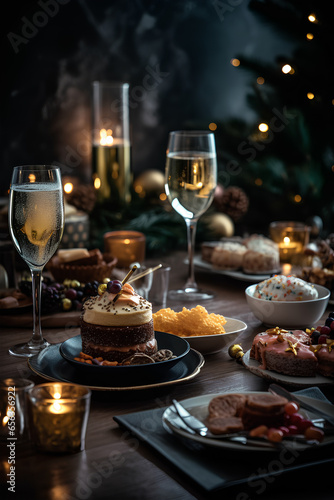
column 287, row 69
column 258, row 182
column 263, row 127
column 260, row 80
column 310, row 95
column 312, row 18
column 298, row 198
column 68, row 187
column 309, row 36
column 212, row 126
column 235, row 62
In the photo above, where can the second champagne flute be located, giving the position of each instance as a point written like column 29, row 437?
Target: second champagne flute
column 191, row 179
column 36, row 221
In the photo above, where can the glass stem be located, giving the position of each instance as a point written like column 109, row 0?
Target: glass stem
column 37, row 337
column 191, row 235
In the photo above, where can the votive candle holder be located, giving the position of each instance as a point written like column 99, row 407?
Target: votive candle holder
column 59, row 415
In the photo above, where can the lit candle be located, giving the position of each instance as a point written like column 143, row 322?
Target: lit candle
column 126, row 246
column 59, row 417
column 291, row 238
column 111, row 153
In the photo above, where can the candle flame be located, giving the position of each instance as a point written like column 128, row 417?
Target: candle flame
column 97, row 183
column 9, row 414
column 126, row 241
column 56, row 407
column 32, row 178
column 106, row 138
column 286, row 240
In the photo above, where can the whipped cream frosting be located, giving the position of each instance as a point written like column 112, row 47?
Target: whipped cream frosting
column 285, row 288
column 128, row 310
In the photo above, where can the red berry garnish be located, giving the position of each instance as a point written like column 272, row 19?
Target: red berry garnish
column 304, row 424
column 296, row 419
column 284, row 429
column 323, row 339
column 293, row 429
column 331, row 326
column 114, row 286
column 291, row 407
column 275, row 435
column 314, row 433
column 325, row 330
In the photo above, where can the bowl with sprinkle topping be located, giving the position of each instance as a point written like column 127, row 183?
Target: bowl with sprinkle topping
column 287, row 302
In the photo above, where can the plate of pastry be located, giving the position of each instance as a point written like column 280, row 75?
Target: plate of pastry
column 245, row 421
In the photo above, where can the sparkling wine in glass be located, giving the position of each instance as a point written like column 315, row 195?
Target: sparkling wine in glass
column 36, row 221
column 190, row 182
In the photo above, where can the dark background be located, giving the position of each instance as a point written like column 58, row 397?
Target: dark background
column 48, row 72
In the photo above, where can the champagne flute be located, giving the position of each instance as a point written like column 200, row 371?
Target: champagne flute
column 36, row 222
column 190, row 182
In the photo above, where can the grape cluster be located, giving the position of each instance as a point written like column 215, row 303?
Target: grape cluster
column 323, row 333
column 60, row 297
column 294, row 423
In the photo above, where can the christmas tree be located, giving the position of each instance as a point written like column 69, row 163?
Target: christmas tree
column 285, row 160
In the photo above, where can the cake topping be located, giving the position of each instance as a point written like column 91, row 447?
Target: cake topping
column 285, row 288
column 117, row 304
column 276, row 331
column 292, row 347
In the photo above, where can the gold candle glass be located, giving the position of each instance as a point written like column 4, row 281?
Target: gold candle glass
column 127, row 246
column 59, row 415
column 291, row 238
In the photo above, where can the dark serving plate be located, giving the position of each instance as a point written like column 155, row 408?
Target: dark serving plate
column 50, row 365
column 71, row 348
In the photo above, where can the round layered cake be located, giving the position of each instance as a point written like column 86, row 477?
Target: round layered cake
column 115, row 330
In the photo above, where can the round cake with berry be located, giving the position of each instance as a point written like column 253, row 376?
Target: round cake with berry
column 117, row 323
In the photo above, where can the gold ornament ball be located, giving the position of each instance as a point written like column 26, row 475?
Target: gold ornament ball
column 150, row 182
column 236, row 351
column 220, row 224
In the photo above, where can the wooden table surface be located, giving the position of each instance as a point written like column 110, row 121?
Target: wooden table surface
column 139, row 472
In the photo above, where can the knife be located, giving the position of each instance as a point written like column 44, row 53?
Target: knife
column 280, row 391
column 192, row 422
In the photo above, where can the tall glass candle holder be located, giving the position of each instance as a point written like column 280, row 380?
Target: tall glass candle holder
column 111, row 154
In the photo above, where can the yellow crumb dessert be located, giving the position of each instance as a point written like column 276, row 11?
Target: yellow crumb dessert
column 189, row 322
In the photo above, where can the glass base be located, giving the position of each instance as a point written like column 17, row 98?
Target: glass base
column 190, row 294
column 27, row 350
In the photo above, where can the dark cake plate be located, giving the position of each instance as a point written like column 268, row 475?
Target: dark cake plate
column 51, row 365
column 72, row 347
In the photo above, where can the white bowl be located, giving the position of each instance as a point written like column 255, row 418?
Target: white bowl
column 209, row 344
column 289, row 315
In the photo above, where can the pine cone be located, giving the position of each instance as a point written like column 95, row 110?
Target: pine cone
column 83, row 197
column 330, row 240
column 234, row 203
